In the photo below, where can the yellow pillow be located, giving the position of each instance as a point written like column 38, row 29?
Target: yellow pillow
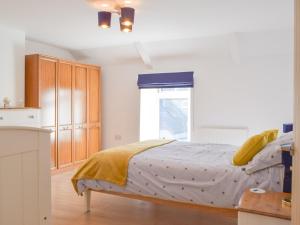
column 270, row 134
column 249, row 149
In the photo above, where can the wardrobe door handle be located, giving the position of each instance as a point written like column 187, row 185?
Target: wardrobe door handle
column 95, row 126
column 1, row 118
column 52, row 129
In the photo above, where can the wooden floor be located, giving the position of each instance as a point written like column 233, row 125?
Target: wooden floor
column 68, row 209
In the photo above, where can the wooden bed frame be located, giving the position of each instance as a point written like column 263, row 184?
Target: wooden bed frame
column 287, row 152
column 225, row 211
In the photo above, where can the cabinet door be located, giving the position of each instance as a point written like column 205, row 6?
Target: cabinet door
column 64, row 98
column 64, row 85
column 94, row 111
column 53, row 147
column 80, row 143
column 80, row 113
column 47, row 100
column 64, row 146
column 94, row 139
column 94, row 95
column 80, row 95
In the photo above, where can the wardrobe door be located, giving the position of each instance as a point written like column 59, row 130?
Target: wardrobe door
column 64, row 97
column 64, row 146
column 80, row 112
column 94, row 110
column 47, row 92
column 80, row 143
column 94, row 139
column 53, row 147
column 64, row 109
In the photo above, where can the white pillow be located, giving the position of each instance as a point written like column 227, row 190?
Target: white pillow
column 287, row 138
column 270, row 155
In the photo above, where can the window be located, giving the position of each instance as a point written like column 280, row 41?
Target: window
column 165, row 113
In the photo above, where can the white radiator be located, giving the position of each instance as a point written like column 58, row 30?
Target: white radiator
column 221, row 135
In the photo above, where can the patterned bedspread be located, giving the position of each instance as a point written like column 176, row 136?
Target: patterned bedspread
column 191, row 172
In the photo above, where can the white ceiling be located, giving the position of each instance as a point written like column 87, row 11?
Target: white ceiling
column 238, row 47
column 72, row 24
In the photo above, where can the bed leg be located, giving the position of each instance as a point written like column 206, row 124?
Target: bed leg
column 87, row 196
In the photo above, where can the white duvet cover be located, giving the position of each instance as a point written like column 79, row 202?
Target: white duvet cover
column 190, row 172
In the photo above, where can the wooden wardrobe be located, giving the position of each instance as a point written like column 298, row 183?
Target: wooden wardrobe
column 68, row 95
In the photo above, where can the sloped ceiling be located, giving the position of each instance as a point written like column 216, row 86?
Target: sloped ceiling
column 165, row 28
column 232, row 46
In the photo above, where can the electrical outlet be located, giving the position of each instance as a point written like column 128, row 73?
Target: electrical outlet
column 118, row 137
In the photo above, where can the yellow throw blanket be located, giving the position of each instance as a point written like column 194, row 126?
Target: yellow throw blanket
column 111, row 165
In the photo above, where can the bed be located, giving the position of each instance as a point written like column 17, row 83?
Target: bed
column 187, row 173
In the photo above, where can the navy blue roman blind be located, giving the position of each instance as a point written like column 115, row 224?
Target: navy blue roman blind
column 166, row 80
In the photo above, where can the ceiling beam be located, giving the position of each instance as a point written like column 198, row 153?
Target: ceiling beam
column 144, row 54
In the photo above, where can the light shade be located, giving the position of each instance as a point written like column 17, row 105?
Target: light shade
column 104, row 19
column 125, row 28
column 127, row 16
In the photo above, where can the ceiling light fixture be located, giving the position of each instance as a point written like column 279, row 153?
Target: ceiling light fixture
column 103, row 5
column 127, row 16
column 108, row 7
column 104, row 19
column 125, row 28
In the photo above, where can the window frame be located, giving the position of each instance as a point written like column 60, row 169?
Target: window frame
column 161, row 95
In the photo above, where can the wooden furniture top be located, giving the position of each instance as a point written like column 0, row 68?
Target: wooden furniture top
column 268, row 204
column 17, row 108
column 22, row 128
column 40, row 56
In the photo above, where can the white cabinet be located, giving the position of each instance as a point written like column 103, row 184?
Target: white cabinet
column 256, row 219
column 25, row 185
column 263, row 209
column 27, row 117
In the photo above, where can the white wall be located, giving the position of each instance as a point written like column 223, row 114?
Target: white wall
column 12, row 48
column 120, row 104
column 248, row 83
column 257, row 93
column 34, row 47
column 252, row 89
